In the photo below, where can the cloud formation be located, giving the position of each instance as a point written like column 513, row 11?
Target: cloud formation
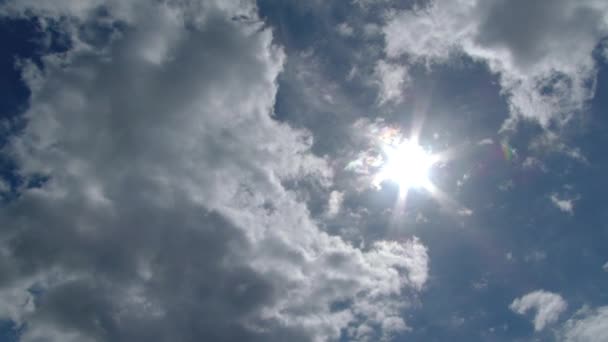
column 587, row 325
column 541, row 50
column 163, row 212
column 548, row 307
column 392, row 80
column 563, row 204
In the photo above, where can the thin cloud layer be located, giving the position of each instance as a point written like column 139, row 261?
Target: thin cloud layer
column 162, row 213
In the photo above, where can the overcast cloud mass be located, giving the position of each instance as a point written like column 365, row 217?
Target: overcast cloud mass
column 278, row 170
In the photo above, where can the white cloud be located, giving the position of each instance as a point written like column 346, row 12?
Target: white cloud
column 548, row 307
column 551, row 142
column 587, row 325
column 334, row 204
column 465, row 212
column 17, row 302
column 542, row 51
column 345, row 29
column 486, row 141
column 420, row 218
column 165, row 213
column 534, row 163
column 392, row 80
column 565, row 205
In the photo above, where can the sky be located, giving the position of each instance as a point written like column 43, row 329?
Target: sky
column 282, row 170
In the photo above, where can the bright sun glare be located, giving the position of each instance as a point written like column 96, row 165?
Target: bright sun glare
column 407, row 164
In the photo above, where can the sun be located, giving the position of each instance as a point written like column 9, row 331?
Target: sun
column 393, row 158
column 407, row 164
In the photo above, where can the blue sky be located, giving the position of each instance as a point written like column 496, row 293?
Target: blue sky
column 208, row 170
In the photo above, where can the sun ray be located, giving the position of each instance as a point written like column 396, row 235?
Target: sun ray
column 407, row 164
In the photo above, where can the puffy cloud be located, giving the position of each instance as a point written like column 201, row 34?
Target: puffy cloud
column 542, row 51
column 587, row 325
column 565, row 205
column 548, row 307
column 164, row 214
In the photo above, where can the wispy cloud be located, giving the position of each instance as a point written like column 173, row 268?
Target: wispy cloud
column 334, row 204
column 392, row 80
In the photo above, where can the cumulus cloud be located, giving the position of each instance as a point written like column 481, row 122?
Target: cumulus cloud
column 587, row 325
column 541, row 51
column 164, row 214
column 548, row 307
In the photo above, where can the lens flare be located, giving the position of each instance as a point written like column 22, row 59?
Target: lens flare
column 406, row 164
